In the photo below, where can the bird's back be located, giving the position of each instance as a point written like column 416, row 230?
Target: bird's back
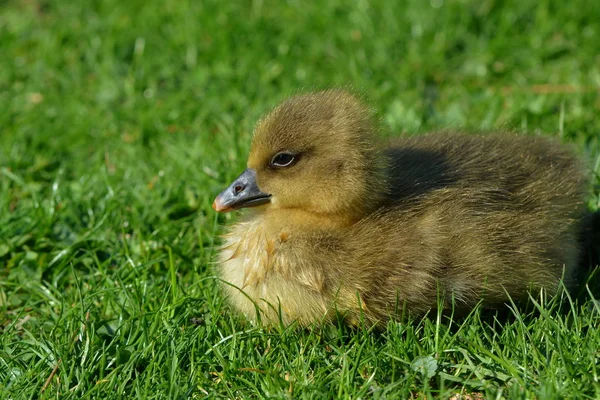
column 474, row 216
column 524, row 169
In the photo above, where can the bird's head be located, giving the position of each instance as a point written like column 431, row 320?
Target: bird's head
column 315, row 152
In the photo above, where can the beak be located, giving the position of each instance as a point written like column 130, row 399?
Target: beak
column 243, row 192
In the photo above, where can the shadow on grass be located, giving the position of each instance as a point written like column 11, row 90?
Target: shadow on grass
column 589, row 277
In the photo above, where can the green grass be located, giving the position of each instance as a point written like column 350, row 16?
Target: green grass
column 120, row 122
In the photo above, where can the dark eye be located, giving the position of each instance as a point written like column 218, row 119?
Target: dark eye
column 283, row 159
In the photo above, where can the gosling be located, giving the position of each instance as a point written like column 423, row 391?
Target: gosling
column 340, row 221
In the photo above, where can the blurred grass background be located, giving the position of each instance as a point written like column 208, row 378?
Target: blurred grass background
column 120, row 122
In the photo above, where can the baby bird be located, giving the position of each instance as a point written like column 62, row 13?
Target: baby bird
column 341, row 221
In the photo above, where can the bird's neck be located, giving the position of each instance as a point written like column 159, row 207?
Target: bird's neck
column 294, row 218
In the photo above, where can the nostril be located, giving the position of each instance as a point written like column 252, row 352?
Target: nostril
column 237, row 189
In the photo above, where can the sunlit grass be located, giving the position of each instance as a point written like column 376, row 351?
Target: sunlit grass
column 121, row 121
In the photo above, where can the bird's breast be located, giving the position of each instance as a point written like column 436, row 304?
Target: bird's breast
column 247, row 255
column 260, row 268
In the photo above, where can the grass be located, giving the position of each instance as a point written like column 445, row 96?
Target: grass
column 121, row 121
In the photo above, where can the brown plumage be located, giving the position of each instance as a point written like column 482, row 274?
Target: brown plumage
column 343, row 221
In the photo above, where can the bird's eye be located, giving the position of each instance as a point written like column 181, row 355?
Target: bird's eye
column 283, row 160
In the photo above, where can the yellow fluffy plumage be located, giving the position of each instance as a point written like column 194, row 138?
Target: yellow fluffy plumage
column 342, row 220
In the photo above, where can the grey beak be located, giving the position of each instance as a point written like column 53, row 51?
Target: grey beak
column 243, row 192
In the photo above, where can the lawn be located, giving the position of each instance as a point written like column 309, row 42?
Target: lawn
column 121, row 120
